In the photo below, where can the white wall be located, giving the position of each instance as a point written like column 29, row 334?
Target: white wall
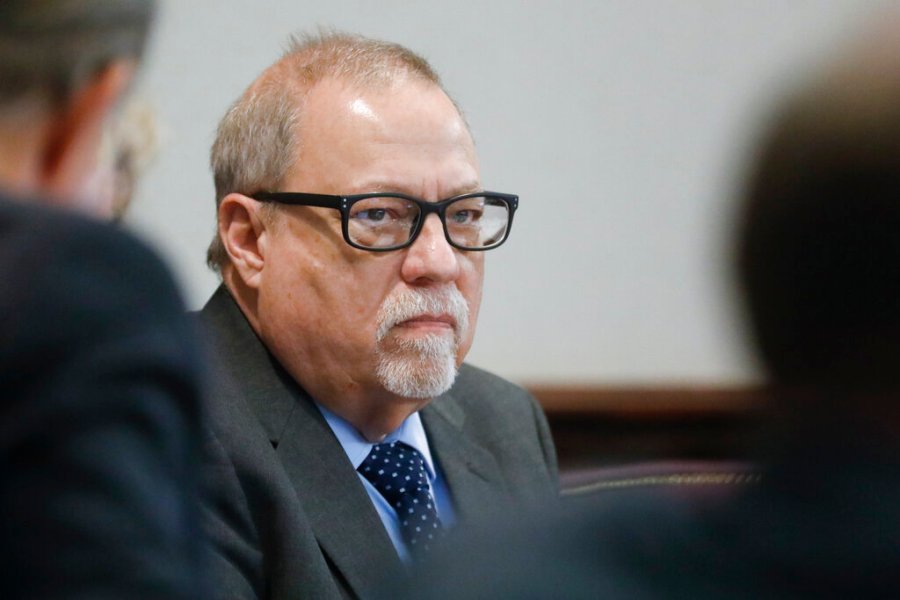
column 621, row 124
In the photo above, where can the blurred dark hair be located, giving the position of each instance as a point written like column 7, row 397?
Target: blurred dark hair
column 48, row 47
column 819, row 236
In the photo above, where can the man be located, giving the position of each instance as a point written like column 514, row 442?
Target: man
column 819, row 265
column 351, row 224
column 99, row 377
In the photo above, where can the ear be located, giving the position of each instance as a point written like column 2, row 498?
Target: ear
column 71, row 146
column 244, row 235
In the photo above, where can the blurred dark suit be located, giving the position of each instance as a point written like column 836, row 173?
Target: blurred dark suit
column 823, row 522
column 99, row 415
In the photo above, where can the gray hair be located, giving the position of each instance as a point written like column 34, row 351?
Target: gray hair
column 49, row 47
column 258, row 139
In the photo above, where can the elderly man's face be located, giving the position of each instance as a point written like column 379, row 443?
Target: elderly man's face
column 350, row 322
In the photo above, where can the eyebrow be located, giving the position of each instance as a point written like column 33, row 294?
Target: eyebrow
column 467, row 189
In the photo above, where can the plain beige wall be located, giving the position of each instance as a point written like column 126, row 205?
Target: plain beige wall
column 620, row 123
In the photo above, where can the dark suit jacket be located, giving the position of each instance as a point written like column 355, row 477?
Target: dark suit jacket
column 287, row 514
column 822, row 522
column 99, row 415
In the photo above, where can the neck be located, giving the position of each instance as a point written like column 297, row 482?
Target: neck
column 375, row 419
column 845, row 416
column 245, row 297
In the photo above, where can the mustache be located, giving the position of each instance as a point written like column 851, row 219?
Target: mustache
column 416, row 302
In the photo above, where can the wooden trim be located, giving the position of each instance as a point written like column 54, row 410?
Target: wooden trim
column 649, row 402
column 607, row 426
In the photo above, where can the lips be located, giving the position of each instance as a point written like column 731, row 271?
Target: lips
column 441, row 320
column 434, row 310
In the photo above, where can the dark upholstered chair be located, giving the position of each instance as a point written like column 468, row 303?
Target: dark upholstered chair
column 707, row 479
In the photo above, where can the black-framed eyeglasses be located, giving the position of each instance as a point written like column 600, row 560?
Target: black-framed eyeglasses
column 385, row 221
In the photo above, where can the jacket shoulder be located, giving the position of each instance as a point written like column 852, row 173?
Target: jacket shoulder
column 509, row 422
column 485, row 395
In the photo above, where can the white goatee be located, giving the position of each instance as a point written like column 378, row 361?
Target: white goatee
column 425, row 366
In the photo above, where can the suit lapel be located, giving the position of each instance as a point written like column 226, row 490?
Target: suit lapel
column 258, row 378
column 473, row 474
column 346, row 525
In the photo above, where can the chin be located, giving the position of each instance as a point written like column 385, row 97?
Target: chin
column 414, row 375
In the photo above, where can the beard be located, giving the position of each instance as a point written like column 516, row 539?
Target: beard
column 423, row 366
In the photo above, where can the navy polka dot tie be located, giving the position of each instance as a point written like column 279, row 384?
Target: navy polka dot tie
column 397, row 471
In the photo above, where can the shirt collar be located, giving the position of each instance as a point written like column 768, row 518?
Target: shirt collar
column 357, row 448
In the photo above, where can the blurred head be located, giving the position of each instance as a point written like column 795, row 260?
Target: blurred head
column 64, row 64
column 819, row 254
column 130, row 144
column 345, row 115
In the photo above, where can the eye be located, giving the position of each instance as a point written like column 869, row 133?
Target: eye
column 468, row 213
column 382, row 210
column 372, row 214
column 463, row 216
column 381, row 221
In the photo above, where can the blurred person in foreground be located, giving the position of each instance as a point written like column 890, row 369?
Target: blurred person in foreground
column 99, row 409
column 347, row 434
column 818, row 262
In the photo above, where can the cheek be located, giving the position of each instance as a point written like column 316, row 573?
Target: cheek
column 349, row 290
column 470, row 284
column 473, row 277
column 296, row 285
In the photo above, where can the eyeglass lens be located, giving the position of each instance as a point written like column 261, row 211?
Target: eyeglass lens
column 386, row 221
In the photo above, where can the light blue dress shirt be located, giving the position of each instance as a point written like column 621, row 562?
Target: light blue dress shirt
column 410, row 432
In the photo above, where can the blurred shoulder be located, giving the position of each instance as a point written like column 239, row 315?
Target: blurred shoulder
column 47, row 250
column 594, row 549
column 72, row 283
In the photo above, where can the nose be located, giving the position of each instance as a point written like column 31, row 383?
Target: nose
column 430, row 259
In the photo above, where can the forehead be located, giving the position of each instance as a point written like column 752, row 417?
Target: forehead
column 406, row 135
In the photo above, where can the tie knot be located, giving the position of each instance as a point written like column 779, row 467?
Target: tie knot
column 395, row 469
